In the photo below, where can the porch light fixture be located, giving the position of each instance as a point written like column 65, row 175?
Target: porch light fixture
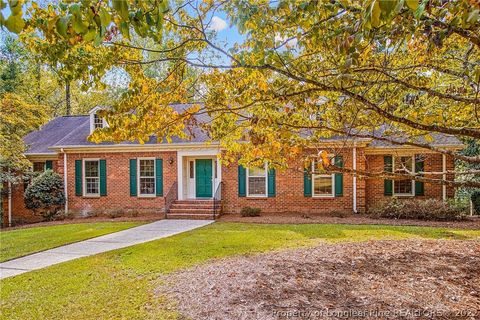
column 170, row 160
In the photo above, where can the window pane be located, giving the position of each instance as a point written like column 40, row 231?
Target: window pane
column 402, row 186
column 256, row 186
column 97, row 121
column 147, row 185
column 92, row 185
column 403, row 165
column 257, row 171
column 147, row 168
column 38, row 166
column 91, row 168
column 322, row 185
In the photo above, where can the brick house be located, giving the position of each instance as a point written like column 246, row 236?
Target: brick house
column 185, row 178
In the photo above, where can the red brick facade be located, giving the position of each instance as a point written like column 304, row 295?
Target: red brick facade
column 289, row 187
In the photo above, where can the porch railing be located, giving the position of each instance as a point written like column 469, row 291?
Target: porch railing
column 217, row 197
column 170, row 197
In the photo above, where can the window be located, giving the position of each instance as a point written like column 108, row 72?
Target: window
column 403, row 164
column 97, row 122
column 92, row 177
column 38, row 166
column 322, row 184
column 146, row 177
column 191, row 169
column 257, row 181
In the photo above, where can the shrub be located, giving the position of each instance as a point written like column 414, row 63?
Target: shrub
column 428, row 209
column 44, row 195
column 250, row 212
column 476, row 201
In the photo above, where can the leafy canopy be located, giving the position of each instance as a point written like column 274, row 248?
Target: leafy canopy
column 304, row 71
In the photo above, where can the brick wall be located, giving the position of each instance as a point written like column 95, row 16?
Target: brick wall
column 433, row 163
column 20, row 214
column 290, row 194
column 289, row 187
column 118, row 184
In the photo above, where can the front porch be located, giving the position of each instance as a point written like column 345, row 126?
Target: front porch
column 199, row 176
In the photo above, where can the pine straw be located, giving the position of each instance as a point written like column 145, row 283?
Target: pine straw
column 442, row 277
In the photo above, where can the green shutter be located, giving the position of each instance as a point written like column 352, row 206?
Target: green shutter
column 133, row 177
column 78, row 178
column 339, row 177
column 159, row 177
column 242, row 181
column 49, row 165
column 103, row 177
column 419, row 167
column 307, row 182
column 271, row 182
column 387, row 183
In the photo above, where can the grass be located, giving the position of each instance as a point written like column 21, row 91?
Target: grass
column 21, row 242
column 121, row 284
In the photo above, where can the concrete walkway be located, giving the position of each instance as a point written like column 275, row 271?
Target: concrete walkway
column 112, row 241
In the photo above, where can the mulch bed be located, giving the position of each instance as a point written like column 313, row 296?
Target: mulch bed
column 296, row 218
column 412, row 279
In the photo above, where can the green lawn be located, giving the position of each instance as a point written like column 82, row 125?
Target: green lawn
column 121, row 284
column 20, row 242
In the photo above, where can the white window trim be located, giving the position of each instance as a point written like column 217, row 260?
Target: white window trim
column 140, row 195
column 332, row 176
column 266, row 184
column 413, row 181
column 84, row 180
column 92, row 113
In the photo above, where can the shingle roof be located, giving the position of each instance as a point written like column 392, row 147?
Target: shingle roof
column 39, row 141
column 74, row 130
column 434, row 139
column 67, row 131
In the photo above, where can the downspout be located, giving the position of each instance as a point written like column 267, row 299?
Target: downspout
column 9, row 202
column 354, row 178
column 65, row 180
column 444, row 170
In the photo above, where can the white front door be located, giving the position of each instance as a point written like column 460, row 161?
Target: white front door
column 191, row 178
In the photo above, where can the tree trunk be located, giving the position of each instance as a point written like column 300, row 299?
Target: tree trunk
column 67, row 98
column 39, row 78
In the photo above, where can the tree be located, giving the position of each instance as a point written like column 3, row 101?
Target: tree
column 17, row 118
column 407, row 69
column 44, row 195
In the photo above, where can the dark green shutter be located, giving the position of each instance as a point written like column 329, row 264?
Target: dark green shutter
column 49, row 165
column 159, row 177
column 339, row 177
column 271, row 182
column 78, row 178
column 387, row 183
column 133, row 177
column 419, row 167
column 242, row 181
column 103, row 177
column 307, row 182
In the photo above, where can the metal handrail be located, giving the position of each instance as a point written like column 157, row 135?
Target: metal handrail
column 170, row 197
column 217, row 197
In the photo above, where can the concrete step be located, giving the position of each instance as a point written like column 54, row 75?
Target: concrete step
column 191, row 210
column 191, row 216
column 195, row 201
column 199, row 205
